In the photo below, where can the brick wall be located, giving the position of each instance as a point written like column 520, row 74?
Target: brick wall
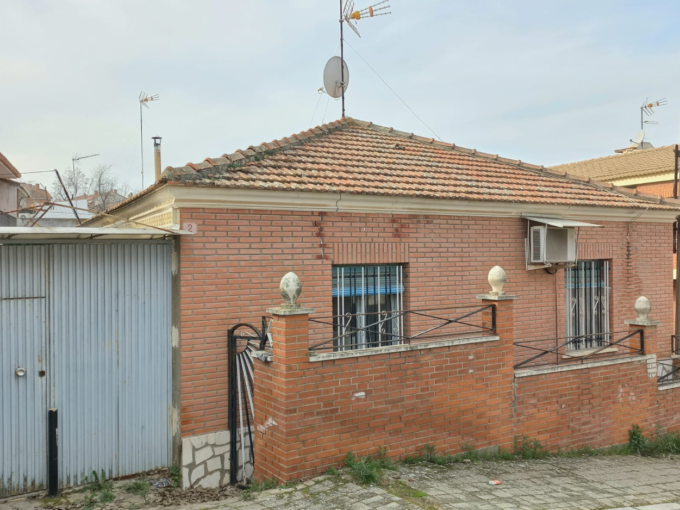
column 593, row 407
column 230, row 271
column 308, row 416
column 447, row 396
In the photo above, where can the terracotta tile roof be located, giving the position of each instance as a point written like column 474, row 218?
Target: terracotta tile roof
column 356, row 157
column 637, row 163
column 34, row 191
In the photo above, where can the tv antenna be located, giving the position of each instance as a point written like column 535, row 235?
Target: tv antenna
column 350, row 16
column 144, row 100
column 648, row 109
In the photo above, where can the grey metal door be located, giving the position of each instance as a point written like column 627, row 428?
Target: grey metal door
column 110, row 357
column 23, row 388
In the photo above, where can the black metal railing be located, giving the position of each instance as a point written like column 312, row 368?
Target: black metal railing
column 386, row 328
column 580, row 349
column 672, row 372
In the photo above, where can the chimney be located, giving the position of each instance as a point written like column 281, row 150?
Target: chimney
column 157, row 156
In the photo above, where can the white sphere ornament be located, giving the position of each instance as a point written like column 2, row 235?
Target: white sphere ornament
column 643, row 307
column 290, row 288
column 497, row 279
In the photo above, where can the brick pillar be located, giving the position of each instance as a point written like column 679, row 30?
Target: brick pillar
column 277, row 384
column 501, row 304
column 644, row 323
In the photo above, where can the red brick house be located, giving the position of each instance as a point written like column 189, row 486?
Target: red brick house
column 377, row 221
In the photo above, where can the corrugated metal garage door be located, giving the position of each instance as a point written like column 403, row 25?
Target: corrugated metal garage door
column 23, row 398
column 108, row 367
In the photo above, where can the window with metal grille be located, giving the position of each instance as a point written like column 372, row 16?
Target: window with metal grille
column 367, row 306
column 587, row 304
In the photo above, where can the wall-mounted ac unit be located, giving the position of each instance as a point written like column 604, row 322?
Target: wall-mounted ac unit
column 550, row 245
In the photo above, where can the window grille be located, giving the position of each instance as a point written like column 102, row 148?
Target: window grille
column 367, row 301
column 587, row 304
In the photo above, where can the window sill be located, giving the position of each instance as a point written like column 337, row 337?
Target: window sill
column 582, row 353
column 373, row 351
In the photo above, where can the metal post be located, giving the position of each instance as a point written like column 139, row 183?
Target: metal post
column 342, row 65
column 52, row 454
column 676, row 153
column 67, row 195
column 231, row 419
column 141, row 140
column 642, row 341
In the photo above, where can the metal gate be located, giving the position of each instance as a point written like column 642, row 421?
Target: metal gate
column 91, row 322
column 243, row 339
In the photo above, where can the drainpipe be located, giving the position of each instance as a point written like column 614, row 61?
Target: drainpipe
column 157, row 156
column 676, row 229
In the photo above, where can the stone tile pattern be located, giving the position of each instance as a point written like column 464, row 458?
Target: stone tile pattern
column 205, row 460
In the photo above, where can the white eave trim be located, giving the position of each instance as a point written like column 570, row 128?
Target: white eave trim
column 560, row 223
column 44, row 233
column 230, row 198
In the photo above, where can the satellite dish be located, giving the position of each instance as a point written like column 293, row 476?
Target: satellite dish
column 332, row 77
column 639, row 137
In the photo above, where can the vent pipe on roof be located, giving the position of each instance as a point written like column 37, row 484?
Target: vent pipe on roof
column 157, row 156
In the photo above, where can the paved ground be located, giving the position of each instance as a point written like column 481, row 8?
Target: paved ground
column 587, row 483
column 594, row 483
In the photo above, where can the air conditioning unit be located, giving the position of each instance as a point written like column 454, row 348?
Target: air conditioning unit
column 551, row 245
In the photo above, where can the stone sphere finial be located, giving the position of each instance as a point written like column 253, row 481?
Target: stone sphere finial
column 290, row 288
column 497, row 279
column 643, row 307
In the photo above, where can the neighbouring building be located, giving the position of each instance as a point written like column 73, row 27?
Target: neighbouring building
column 31, row 195
column 390, row 234
column 8, row 192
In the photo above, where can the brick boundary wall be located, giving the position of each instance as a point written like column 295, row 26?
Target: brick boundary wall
column 308, row 414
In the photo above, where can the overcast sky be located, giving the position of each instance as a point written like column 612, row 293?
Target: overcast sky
column 542, row 81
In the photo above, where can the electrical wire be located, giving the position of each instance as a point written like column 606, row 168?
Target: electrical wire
column 324, row 112
column 315, row 108
column 392, row 90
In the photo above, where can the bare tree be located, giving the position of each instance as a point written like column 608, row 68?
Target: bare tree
column 75, row 181
column 104, row 188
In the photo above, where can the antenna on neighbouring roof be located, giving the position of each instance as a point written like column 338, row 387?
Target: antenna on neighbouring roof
column 350, row 16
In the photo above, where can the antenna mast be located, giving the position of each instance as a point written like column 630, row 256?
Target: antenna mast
column 347, row 15
column 144, row 99
column 342, row 66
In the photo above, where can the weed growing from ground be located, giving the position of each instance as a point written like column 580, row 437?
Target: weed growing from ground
column 529, row 449
column 256, row 487
column 636, row 440
column 100, row 489
column 175, row 474
column 367, row 470
column 140, row 487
